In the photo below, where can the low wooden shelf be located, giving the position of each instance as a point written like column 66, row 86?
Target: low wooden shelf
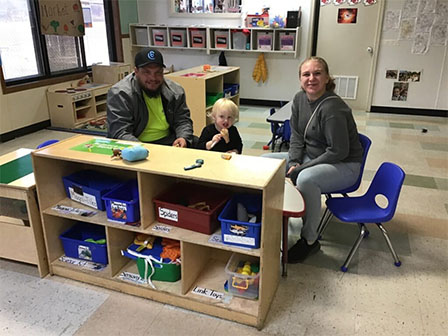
column 203, row 262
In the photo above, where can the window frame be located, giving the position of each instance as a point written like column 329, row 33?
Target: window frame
column 111, row 12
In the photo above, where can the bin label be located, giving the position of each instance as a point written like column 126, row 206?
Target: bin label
column 168, row 214
column 239, row 240
column 83, row 198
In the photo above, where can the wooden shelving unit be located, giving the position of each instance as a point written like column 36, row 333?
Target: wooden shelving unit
column 282, row 40
column 203, row 262
column 71, row 107
column 197, row 83
column 21, row 236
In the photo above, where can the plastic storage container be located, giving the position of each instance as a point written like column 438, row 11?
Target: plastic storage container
column 287, row 41
column 240, row 283
column 159, row 37
column 141, row 36
column 75, row 246
column 221, row 39
column 240, row 233
column 178, row 38
column 88, row 187
column 122, row 203
column 211, row 98
column 264, row 40
column 197, row 38
column 240, row 40
column 232, row 88
column 162, row 271
column 172, row 207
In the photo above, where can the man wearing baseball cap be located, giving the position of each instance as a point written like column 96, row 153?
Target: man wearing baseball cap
column 146, row 107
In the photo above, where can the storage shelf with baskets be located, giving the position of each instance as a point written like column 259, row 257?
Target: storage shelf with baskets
column 217, row 39
column 204, row 261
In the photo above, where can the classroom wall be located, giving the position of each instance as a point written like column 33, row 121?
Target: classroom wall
column 431, row 92
column 21, row 109
column 282, row 81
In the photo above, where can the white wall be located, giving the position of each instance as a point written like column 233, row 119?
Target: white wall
column 432, row 90
column 282, row 81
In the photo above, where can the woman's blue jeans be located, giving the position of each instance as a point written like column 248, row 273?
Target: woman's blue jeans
column 320, row 179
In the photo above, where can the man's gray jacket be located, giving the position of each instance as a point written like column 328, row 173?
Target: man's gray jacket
column 127, row 114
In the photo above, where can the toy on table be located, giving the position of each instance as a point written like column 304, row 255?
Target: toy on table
column 198, row 164
column 135, row 153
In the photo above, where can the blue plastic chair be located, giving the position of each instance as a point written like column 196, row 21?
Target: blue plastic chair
column 365, row 209
column 47, row 143
column 365, row 143
column 286, row 134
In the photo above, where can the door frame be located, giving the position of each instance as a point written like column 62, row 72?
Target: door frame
column 379, row 24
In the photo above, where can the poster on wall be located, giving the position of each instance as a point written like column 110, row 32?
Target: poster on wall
column 427, row 6
column 400, row 91
column 391, row 20
column 439, row 35
column 409, row 9
column 338, row 2
column 61, row 17
column 391, row 74
column 407, row 29
column 409, row 76
column 325, row 2
column 347, row 15
column 353, row 2
column 420, row 43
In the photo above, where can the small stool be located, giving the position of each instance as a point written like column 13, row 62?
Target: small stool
column 293, row 206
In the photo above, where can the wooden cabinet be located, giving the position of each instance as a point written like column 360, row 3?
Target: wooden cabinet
column 71, row 107
column 216, row 39
column 21, row 236
column 203, row 261
column 110, row 73
column 203, row 87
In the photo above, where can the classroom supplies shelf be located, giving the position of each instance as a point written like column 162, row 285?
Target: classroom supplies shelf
column 203, row 88
column 203, row 260
column 215, row 39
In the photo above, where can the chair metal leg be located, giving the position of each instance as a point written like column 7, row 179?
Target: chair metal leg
column 391, row 248
column 362, row 230
column 326, row 217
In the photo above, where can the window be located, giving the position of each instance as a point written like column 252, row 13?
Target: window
column 27, row 55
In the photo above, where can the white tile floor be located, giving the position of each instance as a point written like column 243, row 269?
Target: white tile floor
column 373, row 298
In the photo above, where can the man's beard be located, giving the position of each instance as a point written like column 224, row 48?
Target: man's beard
column 152, row 93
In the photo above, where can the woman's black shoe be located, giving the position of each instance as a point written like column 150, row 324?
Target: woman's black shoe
column 301, row 250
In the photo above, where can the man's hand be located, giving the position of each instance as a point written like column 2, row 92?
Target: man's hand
column 180, row 142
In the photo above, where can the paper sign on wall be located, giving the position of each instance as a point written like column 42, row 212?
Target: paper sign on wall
column 61, row 17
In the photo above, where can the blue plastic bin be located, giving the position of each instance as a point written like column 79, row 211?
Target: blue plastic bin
column 234, row 232
column 122, row 203
column 75, row 246
column 88, row 187
column 232, row 89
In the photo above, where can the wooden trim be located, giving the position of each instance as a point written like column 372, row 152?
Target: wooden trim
column 40, row 82
column 117, row 31
column 24, row 131
column 411, row 111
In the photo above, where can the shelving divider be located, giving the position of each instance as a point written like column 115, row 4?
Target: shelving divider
column 141, row 39
column 203, row 261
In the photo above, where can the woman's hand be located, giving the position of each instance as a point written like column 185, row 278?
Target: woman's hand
column 291, row 169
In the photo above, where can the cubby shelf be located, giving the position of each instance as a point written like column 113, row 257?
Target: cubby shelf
column 216, row 39
column 203, row 261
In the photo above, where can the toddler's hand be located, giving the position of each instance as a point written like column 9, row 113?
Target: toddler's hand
column 217, row 137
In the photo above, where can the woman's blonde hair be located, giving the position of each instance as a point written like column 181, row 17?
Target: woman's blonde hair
column 330, row 85
column 224, row 104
